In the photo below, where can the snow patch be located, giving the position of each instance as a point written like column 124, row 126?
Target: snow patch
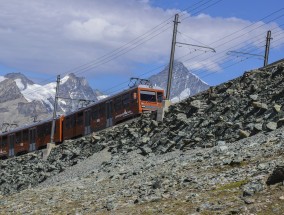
column 63, row 80
column 183, row 95
column 63, row 102
column 20, row 84
column 199, row 79
column 2, row 78
column 102, row 97
column 41, row 93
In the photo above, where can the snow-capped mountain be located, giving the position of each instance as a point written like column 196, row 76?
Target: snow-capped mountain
column 73, row 88
column 184, row 83
column 34, row 100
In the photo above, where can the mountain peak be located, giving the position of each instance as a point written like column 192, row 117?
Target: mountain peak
column 21, row 80
column 184, row 83
column 177, row 66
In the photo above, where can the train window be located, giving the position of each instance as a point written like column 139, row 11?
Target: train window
column 67, row 122
column 102, row 110
column 25, row 135
column 133, row 98
column 160, row 96
column 117, row 104
column 125, row 99
column 80, row 118
column 4, row 140
column 18, row 137
column 95, row 113
column 148, row 96
column 41, row 130
column 72, row 121
column 48, row 128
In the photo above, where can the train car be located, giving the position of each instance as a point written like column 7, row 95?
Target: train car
column 112, row 110
column 105, row 113
column 29, row 138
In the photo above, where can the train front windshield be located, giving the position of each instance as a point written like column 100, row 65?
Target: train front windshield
column 148, row 96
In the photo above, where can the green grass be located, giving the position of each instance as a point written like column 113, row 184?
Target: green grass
column 232, row 185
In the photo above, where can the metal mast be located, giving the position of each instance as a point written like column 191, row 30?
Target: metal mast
column 172, row 57
column 54, row 110
column 267, row 47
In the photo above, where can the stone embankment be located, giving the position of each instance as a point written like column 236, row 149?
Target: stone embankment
column 220, row 151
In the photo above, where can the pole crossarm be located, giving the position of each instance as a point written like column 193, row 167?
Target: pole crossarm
column 244, row 53
column 205, row 47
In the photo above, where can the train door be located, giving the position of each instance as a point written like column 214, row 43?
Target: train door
column 87, row 121
column 11, row 145
column 32, row 139
column 109, row 120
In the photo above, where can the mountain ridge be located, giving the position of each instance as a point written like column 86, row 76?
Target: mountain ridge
column 37, row 100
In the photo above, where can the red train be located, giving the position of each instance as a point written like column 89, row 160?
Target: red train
column 105, row 113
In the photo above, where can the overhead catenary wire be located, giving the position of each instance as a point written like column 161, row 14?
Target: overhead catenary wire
column 134, row 41
column 211, row 73
column 275, row 12
column 236, row 62
column 254, row 42
column 221, row 59
column 147, row 33
column 124, row 51
column 261, row 34
column 215, row 41
column 135, row 47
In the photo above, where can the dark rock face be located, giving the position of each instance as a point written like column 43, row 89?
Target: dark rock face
column 28, row 109
column 277, row 176
column 75, row 88
column 9, row 91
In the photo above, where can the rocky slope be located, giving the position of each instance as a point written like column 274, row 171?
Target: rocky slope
column 184, row 83
column 219, row 152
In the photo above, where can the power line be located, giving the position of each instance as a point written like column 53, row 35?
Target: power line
column 214, row 55
column 209, row 74
column 136, row 39
column 215, row 41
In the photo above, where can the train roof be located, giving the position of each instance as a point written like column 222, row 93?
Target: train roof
column 27, row 126
column 115, row 95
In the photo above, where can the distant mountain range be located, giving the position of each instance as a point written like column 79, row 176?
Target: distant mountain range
column 23, row 101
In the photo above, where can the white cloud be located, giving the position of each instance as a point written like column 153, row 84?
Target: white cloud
column 57, row 35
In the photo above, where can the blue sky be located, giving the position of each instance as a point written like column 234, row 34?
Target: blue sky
column 44, row 38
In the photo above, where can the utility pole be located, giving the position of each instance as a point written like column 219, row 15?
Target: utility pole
column 267, row 47
column 54, row 110
column 169, row 84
